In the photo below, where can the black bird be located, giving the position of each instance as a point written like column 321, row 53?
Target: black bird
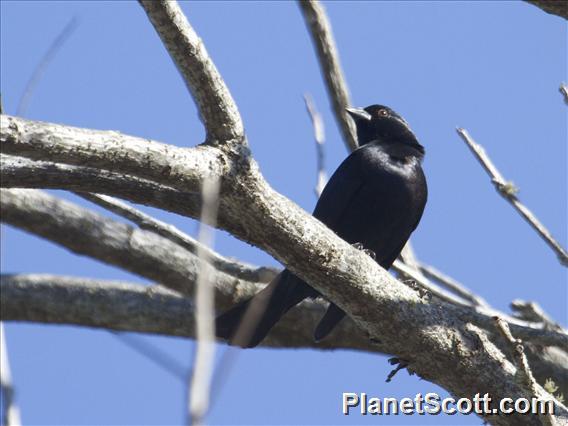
column 374, row 200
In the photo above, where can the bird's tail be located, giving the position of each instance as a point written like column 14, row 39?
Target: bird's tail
column 248, row 323
column 328, row 322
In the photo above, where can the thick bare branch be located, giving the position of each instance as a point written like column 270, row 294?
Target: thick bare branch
column 111, row 151
column 217, row 109
column 121, row 306
column 322, row 37
column 112, row 305
column 87, row 233
column 508, row 191
column 20, row 172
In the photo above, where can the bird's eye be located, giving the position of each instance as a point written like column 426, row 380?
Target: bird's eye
column 382, row 113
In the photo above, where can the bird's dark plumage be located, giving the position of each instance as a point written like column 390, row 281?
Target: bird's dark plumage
column 375, row 199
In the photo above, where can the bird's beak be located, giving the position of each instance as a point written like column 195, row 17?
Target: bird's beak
column 358, row 114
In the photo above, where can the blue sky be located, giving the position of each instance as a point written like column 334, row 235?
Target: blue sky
column 491, row 67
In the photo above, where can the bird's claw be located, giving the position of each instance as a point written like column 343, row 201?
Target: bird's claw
column 370, row 253
column 401, row 365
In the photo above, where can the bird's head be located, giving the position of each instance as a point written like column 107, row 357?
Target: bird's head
column 378, row 123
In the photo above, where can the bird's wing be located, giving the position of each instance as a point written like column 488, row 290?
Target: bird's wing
column 338, row 195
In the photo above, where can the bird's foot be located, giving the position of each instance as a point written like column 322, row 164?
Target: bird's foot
column 402, row 364
column 370, row 253
column 422, row 292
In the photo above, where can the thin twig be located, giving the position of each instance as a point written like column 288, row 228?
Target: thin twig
column 408, row 257
column 564, row 90
column 153, row 353
column 200, row 383
column 452, row 285
column 130, row 307
column 508, row 191
column 322, row 37
column 415, row 275
column 41, row 67
column 10, row 411
column 319, row 137
column 485, row 314
column 144, row 221
column 531, row 311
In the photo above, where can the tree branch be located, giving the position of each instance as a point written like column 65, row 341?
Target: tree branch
column 112, row 305
column 110, row 150
column 87, row 233
column 20, row 172
column 217, row 109
column 508, row 191
column 531, row 311
column 451, row 284
column 121, row 306
column 322, row 37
